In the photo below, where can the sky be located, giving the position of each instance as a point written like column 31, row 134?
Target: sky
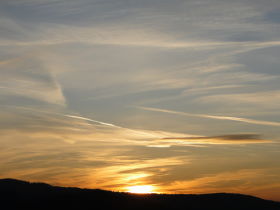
column 177, row 96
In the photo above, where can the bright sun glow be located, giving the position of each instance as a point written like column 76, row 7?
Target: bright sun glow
column 141, row 189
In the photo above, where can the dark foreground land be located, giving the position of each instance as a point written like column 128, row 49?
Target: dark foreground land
column 15, row 194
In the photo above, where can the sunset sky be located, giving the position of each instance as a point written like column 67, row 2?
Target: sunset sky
column 172, row 96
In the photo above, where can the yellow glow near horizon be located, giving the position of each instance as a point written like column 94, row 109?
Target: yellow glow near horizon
column 142, row 189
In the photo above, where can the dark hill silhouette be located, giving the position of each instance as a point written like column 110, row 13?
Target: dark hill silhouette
column 15, row 194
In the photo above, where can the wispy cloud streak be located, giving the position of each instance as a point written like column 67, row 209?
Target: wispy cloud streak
column 238, row 119
column 91, row 120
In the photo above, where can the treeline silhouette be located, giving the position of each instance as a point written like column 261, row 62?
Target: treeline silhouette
column 15, row 194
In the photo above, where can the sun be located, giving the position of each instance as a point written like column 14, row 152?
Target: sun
column 142, row 189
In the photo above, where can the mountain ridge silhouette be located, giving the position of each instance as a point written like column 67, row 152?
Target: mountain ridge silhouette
column 17, row 194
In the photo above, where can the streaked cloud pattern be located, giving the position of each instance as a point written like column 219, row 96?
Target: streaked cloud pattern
column 179, row 95
column 216, row 117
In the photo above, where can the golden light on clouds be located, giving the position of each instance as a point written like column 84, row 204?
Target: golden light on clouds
column 136, row 176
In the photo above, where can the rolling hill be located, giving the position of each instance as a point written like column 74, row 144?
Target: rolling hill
column 16, row 194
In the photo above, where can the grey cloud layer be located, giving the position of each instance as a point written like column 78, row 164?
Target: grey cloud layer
column 234, row 138
column 159, row 52
column 27, row 77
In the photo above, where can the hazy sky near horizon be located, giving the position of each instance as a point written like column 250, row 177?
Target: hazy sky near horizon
column 182, row 95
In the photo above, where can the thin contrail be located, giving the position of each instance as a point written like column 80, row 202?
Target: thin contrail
column 65, row 115
column 91, row 120
column 109, row 125
column 82, row 118
column 239, row 119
